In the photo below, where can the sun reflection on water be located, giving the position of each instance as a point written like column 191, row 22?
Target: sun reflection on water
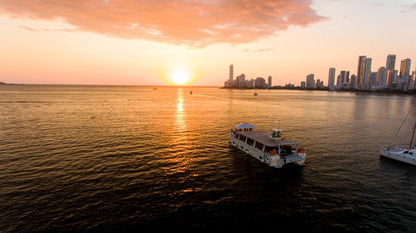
column 180, row 112
column 177, row 151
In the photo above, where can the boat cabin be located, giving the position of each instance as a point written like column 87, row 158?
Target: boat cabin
column 273, row 144
column 276, row 134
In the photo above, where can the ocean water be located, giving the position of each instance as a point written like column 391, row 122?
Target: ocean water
column 136, row 159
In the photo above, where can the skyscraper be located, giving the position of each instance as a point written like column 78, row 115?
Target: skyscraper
column 241, row 80
column 391, row 62
column 345, row 76
column 259, row 82
column 331, row 78
column 310, row 81
column 353, row 81
column 367, row 73
column 373, row 80
column 231, row 73
column 382, row 76
column 360, row 71
column 391, row 77
column 405, row 67
column 269, row 81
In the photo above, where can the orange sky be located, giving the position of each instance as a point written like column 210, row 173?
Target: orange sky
column 146, row 42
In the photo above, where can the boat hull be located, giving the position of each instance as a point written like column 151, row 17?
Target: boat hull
column 399, row 154
column 275, row 161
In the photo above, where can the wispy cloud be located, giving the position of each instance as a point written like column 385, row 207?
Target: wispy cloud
column 28, row 28
column 378, row 4
column 259, row 50
column 190, row 22
column 33, row 29
column 407, row 8
column 60, row 29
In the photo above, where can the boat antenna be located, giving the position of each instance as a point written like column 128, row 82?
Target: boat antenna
column 413, row 134
column 398, row 130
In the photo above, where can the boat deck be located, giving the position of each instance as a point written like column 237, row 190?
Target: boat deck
column 395, row 150
column 263, row 137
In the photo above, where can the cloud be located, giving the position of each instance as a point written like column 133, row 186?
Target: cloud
column 259, row 50
column 33, row 29
column 407, row 8
column 378, row 4
column 187, row 22
column 29, row 28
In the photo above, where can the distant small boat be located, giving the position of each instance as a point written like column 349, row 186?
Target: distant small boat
column 190, row 92
column 406, row 155
column 270, row 148
column 154, row 88
column 255, row 94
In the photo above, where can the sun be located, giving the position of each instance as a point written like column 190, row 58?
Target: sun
column 180, row 77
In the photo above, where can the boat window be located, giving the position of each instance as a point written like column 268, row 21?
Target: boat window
column 267, row 149
column 250, row 141
column 242, row 138
column 259, row 146
column 286, row 150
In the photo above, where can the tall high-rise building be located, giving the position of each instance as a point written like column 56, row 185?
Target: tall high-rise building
column 231, row 73
column 310, row 81
column 381, row 77
column 367, row 73
column 353, row 81
column 259, row 82
column 391, row 62
column 391, row 77
column 414, row 79
column 360, row 71
column 339, row 81
column 405, row 68
column 373, row 79
column 345, row 76
column 241, row 80
column 319, row 84
column 331, row 78
column 269, row 81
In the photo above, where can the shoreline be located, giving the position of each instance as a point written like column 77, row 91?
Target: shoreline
column 384, row 91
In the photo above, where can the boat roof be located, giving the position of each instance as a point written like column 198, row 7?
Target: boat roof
column 263, row 138
column 245, row 126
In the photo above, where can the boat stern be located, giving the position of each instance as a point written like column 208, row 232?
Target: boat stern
column 301, row 162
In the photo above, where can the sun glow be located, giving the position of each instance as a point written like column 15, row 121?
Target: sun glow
column 180, row 77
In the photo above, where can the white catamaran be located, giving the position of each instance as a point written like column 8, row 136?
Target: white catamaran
column 270, row 148
column 406, row 155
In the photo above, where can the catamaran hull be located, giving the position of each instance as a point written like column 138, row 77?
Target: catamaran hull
column 398, row 156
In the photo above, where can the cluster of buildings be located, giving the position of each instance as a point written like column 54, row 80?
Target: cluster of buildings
column 311, row 84
column 386, row 77
column 241, row 82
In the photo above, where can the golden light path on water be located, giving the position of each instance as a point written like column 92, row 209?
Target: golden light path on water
column 179, row 158
column 180, row 111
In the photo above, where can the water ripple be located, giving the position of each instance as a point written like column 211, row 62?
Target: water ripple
column 120, row 159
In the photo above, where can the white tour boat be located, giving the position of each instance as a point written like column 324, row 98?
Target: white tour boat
column 270, row 148
column 407, row 155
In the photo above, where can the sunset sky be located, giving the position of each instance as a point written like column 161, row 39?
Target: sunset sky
column 144, row 42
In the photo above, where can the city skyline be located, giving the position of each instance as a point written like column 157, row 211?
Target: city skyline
column 241, row 82
column 106, row 42
column 385, row 77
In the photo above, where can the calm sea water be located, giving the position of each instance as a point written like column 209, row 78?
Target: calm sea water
column 120, row 159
